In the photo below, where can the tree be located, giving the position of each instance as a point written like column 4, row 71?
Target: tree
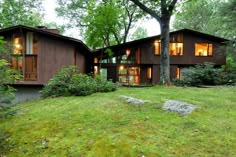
column 139, row 33
column 104, row 25
column 161, row 11
column 7, row 76
column 15, row 12
column 228, row 14
column 199, row 15
column 80, row 14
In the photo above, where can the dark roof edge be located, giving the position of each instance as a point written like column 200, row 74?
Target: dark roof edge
column 46, row 32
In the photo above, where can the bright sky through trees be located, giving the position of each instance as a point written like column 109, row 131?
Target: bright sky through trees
column 50, row 16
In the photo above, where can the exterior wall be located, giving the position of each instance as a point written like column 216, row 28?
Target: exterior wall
column 188, row 57
column 80, row 61
column 53, row 54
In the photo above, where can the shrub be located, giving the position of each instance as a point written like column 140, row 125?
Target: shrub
column 59, row 84
column 103, row 85
column 68, row 81
column 202, row 74
column 82, row 84
column 227, row 74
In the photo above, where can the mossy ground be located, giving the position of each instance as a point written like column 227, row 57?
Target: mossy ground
column 104, row 125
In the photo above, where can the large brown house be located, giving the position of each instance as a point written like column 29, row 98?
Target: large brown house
column 138, row 61
column 40, row 52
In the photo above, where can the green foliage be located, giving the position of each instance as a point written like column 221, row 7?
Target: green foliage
column 25, row 12
column 139, row 33
column 101, row 23
column 201, row 74
column 200, row 15
column 227, row 74
column 82, row 85
column 68, row 81
column 7, row 76
column 103, row 85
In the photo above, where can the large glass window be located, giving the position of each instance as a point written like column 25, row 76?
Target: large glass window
column 176, row 49
column 203, row 49
column 129, row 75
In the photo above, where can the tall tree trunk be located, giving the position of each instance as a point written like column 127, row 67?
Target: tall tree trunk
column 165, row 61
column 163, row 18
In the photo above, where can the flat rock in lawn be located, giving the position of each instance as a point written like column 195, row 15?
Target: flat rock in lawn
column 179, row 106
column 132, row 100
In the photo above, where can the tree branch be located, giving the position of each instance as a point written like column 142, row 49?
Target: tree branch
column 172, row 6
column 147, row 10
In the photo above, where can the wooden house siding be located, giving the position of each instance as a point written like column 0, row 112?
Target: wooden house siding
column 54, row 52
column 148, row 58
column 53, row 55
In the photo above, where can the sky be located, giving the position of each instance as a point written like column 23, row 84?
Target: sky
column 151, row 25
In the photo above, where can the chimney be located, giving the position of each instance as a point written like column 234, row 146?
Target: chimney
column 44, row 28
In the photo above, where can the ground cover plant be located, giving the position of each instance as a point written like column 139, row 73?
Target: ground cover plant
column 103, row 124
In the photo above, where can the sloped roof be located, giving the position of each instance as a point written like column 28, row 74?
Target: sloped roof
column 42, row 31
column 139, row 41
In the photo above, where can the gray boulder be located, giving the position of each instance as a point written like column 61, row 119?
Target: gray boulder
column 179, row 106
column 132, row 100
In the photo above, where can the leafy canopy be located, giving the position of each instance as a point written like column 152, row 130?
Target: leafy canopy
column 25, row 12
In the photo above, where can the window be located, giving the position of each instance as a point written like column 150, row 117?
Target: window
column 203, row 49
column 157, row 46
column 31, row 43
column 18, row 45
column 31, row 56
column 129, row 75
column 95, row 60
column 178, row 72
column 17, row 54
column 176, row 49
column 149, row 73
column 24, row 58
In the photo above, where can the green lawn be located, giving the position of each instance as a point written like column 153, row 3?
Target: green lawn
column 103, row 125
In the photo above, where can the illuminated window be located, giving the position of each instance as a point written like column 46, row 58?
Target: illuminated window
column 149, row 72
column 203, row 49
column 178, row 72
column 129, row 75
column 24, row 57
column 157, row 46
column 95, row 70
column 95, row 60
column 17, row 54
column 18, row 45
column 176, row 49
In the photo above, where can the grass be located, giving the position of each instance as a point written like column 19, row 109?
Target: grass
column 104, row 125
